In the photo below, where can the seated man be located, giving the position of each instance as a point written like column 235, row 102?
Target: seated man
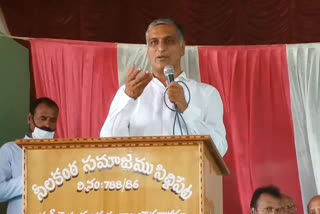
column 142, row 107
column 287, row 205
column 42, row 121
column 314, row 205
column 265, row 200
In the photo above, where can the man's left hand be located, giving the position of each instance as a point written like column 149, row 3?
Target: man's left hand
column 176, row 96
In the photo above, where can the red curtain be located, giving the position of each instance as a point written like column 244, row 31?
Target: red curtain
column 254, row 86
column 81, row 77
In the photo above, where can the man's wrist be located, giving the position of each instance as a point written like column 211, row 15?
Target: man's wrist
column 182, row 107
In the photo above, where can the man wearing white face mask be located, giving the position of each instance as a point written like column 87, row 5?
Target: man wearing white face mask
column 42, row 121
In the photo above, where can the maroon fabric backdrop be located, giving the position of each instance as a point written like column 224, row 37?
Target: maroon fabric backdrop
column 206, row 22
column 81, row 77
column 254, row 86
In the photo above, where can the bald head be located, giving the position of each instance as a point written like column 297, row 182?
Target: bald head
column 287, row 204
column 314, row 205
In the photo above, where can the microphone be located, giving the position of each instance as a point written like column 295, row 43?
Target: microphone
column 169, row 73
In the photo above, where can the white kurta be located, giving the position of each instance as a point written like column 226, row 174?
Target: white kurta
column 149, row 116
column 11, row 178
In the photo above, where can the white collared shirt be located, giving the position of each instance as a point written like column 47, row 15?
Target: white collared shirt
column 149, row 116
column 11, row 176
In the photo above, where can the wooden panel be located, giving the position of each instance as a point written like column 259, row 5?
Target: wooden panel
column 212, row 184
column 147, row 195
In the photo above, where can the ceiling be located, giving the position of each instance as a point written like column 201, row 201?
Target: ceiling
column 206, row 22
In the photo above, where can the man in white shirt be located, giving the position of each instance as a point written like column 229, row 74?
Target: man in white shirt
column 42, row 121
column 143, row 107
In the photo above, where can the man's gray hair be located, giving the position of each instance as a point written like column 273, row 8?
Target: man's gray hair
column 157, row 22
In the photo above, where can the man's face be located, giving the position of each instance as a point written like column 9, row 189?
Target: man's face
column 314, row 206
column 44, row 117
column 267, row 204
column 164, row 47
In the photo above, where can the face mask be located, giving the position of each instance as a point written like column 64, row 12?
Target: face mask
column 42, row 134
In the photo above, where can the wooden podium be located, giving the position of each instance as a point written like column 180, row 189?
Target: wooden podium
column 137, row 175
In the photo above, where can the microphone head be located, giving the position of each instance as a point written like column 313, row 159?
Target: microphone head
column 168, row 70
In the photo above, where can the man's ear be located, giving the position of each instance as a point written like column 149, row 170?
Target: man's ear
column 29, row 119
column 183, row 48
column 252, row 211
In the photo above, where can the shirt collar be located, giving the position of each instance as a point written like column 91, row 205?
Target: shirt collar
column 26, row 137
column 181, row 77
